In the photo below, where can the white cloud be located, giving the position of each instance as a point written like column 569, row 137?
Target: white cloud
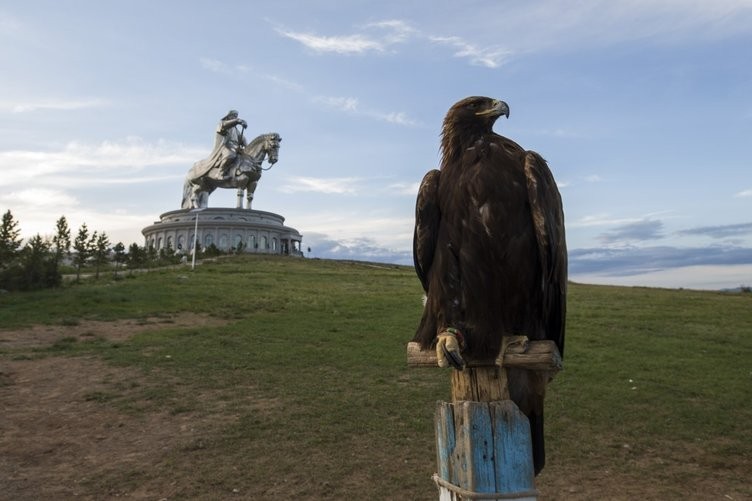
column 594, row 178
column 743, row 194
column 572, row 23
column 288, row 84
column 240, row 70
column 133, row 151
column 393, row 32
column 217, row 66
column 78, row 163
column 410, row 189
column 339, row 103
column 337, row 186
column 40, row 198
column 709, row 277
column 352, row 105
column 16, row 31
column 348, row 44
column 38, row 209
column 345, row 186
column 395, row 117
column 638, row 231
column 34, row 184
column 490, row 57
column 119, row 227
column 53, row 104
column 389, row 232
column 360, row 248
column 569, row 24
column 376, row 37
column 720, row 231
column 9, row 24
column 602, row 220
column 398, row 31
column 575, row 24
column 213, row 65
column 562, row 132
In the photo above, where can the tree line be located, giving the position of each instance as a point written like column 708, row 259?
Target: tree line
column 40, row 262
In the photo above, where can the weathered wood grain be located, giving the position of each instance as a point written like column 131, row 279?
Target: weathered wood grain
column 520, row 353
column 484, row 451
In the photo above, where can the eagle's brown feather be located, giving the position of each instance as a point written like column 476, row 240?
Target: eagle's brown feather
column 489, row 247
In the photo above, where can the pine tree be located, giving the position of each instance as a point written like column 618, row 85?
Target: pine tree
column 120, row 257
column 9, row 240
column 100, row 249
column 62, row 240
column 152, row 256
column 39, row 265
column 136, row 256
column 82, row 248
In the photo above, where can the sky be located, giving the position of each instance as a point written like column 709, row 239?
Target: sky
column 642, row 109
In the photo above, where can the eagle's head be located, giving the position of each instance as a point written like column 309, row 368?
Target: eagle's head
column 476, row 111
column 469, row 119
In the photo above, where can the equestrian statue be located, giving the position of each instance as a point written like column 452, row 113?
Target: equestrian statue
column 231, row 164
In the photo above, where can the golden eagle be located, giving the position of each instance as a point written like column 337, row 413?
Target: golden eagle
column 489, row 250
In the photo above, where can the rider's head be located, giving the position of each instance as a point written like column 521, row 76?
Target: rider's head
column 230, row 114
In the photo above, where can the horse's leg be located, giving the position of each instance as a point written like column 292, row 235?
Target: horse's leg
column 199, row 197
column 240, row 198
column 250, row 189
column 187, row 202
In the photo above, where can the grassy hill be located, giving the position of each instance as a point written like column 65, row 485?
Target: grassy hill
column 300, row 390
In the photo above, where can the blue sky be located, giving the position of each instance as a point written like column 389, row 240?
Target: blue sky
column 642, row 109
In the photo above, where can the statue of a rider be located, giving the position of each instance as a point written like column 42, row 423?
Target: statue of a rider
column 228, row 143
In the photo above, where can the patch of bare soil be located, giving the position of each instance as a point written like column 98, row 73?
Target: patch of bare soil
column 58, row 442
column 56, row 438
column 45, row 335
column 679, row 478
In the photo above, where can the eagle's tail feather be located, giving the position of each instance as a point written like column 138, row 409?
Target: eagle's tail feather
column 536, row 433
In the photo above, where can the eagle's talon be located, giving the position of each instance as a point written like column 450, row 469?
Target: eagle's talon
column 488, row 186
column 448, row 348
column 454, row 359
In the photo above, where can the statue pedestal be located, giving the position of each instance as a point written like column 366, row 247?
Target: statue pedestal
column 248, row 230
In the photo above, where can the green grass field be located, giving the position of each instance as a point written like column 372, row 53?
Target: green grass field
column 312, row 399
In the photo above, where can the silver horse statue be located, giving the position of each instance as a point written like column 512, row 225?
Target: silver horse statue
column 243, row 174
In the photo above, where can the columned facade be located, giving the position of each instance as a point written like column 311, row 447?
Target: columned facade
column 251, row 231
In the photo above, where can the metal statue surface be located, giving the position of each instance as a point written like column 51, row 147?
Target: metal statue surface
column 231, row 164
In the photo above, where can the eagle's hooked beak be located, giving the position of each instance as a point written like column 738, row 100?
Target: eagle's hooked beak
column 497, row 109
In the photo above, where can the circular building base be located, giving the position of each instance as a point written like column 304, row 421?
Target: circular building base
column 245, row 230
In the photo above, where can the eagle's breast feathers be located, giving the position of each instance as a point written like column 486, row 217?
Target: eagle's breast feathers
column 490, row 220
column 490, row 251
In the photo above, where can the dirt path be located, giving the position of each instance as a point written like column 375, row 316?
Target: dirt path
column 56, row 437
column 58, row 441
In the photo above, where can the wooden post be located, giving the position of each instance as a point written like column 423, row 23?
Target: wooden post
column 481, row 384
column 483, row 443
column 484, row 451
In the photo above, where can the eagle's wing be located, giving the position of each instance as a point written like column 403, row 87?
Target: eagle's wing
column 548, row 219
column 427, row 218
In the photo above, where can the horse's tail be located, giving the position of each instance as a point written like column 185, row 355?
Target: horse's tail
column 187, row 194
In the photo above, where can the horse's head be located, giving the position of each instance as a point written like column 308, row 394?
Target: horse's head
column 264, row 145
column 272, row 147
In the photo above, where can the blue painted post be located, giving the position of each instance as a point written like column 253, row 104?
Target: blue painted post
column 484, row 449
